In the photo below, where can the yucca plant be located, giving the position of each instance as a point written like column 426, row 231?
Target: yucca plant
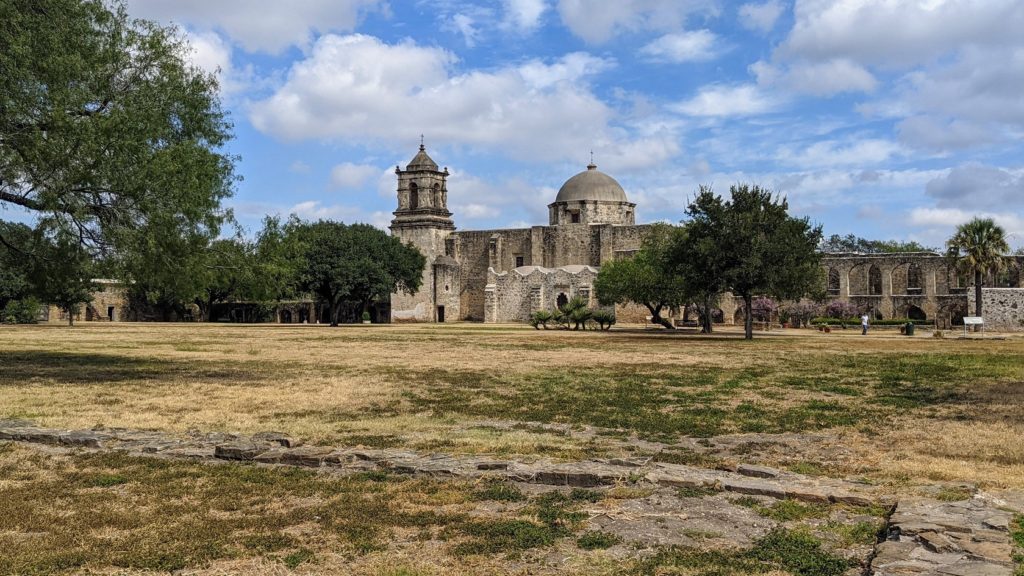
column 541, row 318
column 604, row 318
column 575, row 313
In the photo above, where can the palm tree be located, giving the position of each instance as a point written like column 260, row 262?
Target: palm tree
column 978, row 246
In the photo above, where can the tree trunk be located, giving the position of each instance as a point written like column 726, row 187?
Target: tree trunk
column 706, row 320
column 656, row 316
column 71, row 316
column 748, row 320
column 977, row 292
column 335, row 312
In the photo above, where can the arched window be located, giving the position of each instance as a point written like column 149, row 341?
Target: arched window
column 874, row 281
column 414, row 196
column 437, row 196
column 562, row 300
column 833, row 281
column 914, row 277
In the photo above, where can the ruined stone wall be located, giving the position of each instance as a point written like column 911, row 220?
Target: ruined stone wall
column 515, row 295
column 1002, row 308
column 474, row 252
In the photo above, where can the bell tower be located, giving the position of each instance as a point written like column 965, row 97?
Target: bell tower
column 423, row 220
column 422, row 195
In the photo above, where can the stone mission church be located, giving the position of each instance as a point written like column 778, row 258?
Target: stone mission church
column 506, row 275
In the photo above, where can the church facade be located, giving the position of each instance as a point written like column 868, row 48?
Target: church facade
column 505, row 275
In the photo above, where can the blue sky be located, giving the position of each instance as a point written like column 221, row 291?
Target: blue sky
column 887, row 119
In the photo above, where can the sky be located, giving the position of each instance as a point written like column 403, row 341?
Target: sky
column 887, row 119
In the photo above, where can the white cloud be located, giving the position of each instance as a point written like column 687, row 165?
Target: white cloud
column 892, row 33
column 463, row 24
column 359, row 87
column 211, row 53
column 760, row 17
column 941, row 135
column 316, row 210
column 943, row 221
column 695, row 46
column 978, row 186
column 299, row 167
column 524, row 15
column 721, row 100
column 349, row 175
column 596, row 21
column 259, row 25
column 816, row 78
column 825, row 153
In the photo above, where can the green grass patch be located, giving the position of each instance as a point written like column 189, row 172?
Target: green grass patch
column 697, row 491
column 792, row 551
column 500, row 491
column 597, row 540
column 792, row 510
column 954, row 493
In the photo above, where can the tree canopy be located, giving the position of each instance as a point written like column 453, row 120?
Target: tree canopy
column 108, row 135
column 850, row 243
column 644, row 278
column 978, row 247
column 353, row 263
column 760, row 249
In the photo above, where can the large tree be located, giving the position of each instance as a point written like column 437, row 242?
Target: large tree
column 354, row 263
column 108, row 135
column 978, row 247
column 643, row 279
column 227, row 272
column 764, row 250
column 62, row 273
column 695, row 254
column 14, row 263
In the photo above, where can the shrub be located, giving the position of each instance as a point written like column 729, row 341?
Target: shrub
column 763, row 308
column 840, row 309
column 802, row 312
column 366, row 316
column 25, row 311
column 574, row 313
column 604, row 318
column 541, row 318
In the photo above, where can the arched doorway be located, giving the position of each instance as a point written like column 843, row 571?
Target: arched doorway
column 916, row 313
column 286, row 317
column 562, row 300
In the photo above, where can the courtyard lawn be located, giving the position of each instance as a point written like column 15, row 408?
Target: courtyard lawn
column 900, row 408
column 901, row 413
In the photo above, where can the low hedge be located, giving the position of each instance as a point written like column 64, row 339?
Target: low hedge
column 822, row 321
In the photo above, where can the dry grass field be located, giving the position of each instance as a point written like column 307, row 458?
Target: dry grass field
column 898, row 412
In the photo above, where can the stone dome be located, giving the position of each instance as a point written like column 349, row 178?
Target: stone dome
column 591, row 184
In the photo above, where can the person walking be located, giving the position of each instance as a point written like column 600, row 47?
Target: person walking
column 864, row 324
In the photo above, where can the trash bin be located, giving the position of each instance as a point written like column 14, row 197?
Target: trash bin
column 910, row 329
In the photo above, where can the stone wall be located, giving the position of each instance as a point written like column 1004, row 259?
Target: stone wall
column 1002, row 308
column 478, row 251
column 515, row 295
